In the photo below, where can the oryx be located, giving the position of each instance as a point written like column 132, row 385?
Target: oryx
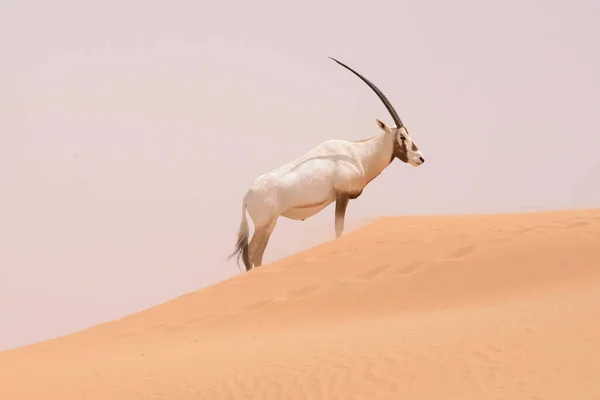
column 336, row 170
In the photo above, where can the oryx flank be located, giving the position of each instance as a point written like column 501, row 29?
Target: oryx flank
column 335, row 170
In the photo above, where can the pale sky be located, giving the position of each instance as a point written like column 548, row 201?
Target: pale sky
column 129, row 131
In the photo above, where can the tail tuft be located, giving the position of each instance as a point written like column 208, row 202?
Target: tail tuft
column 241, row 247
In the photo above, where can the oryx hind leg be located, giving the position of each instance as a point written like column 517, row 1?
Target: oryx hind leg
column 341, row 203
column 261, row 242
column 263, row 208
column 257, row 236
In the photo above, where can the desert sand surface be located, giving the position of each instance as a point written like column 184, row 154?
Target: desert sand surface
column 433, row 307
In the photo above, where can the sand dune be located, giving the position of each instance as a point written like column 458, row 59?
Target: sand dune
column 460, row 307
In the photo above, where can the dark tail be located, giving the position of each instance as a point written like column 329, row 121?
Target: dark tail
column 241, row 247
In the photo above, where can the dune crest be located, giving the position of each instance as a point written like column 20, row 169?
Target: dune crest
column 452, row 307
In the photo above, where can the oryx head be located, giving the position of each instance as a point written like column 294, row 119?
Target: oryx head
column 404, row 148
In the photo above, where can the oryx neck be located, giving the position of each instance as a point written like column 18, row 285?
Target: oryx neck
column 375, row 154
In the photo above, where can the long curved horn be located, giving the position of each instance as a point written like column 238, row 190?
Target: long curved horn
column 379, row 93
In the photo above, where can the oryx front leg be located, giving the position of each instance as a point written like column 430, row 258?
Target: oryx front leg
column 341, row 203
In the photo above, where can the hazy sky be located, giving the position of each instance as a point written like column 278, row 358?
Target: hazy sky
column 129, row 131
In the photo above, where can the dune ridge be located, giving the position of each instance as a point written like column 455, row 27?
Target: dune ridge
column 426, row 307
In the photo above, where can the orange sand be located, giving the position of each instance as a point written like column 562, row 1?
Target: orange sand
column 462, row 307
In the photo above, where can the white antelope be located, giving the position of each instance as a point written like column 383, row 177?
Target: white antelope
column 336, row 170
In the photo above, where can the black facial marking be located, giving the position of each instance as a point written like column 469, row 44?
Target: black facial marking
column 400, row 151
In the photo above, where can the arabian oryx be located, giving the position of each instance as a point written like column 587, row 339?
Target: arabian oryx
column 336, row 170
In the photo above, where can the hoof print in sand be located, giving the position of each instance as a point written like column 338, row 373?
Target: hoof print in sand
column 372, row 272
column 258, row 305
column 306, row 290
column 522, row 231
column 576, row 225
column 411, row 268
column 461, row 253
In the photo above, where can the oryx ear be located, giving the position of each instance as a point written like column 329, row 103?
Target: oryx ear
column 383, row 126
